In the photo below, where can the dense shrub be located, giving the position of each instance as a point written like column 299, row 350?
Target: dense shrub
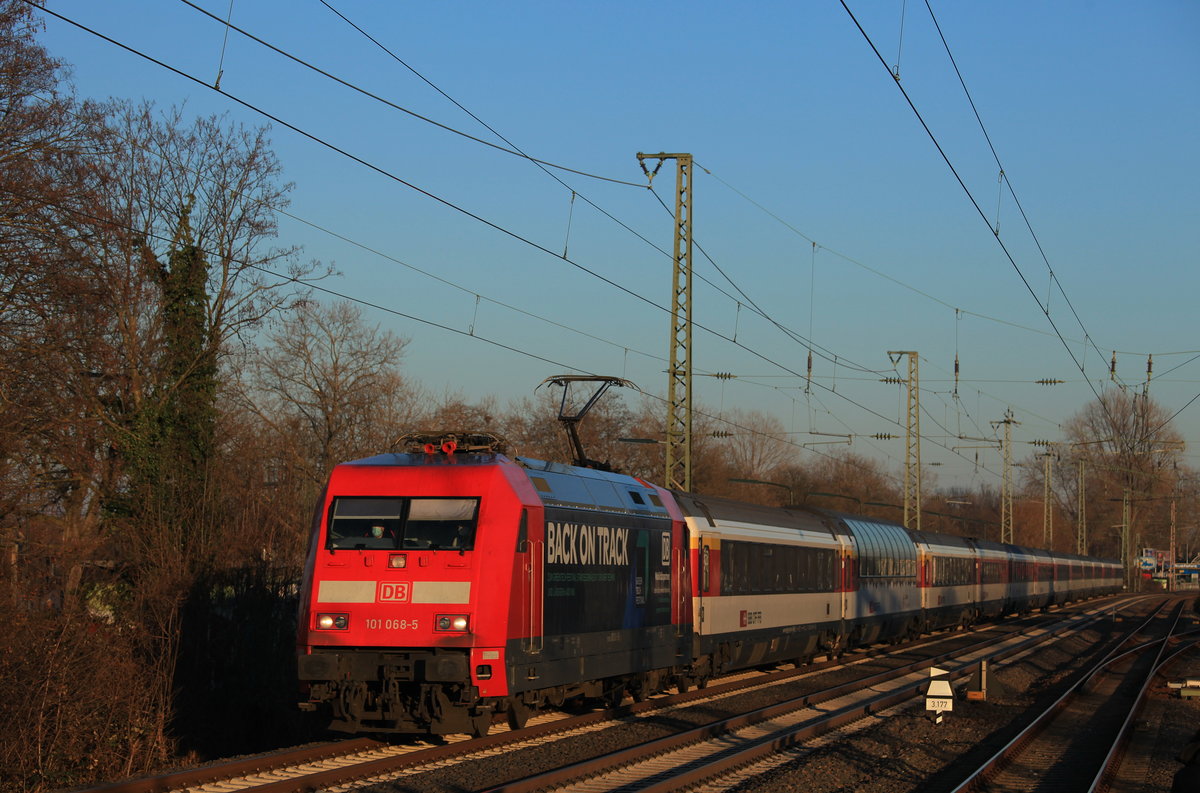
column 73, row 701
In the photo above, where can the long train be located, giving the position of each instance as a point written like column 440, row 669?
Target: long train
column 445, row 586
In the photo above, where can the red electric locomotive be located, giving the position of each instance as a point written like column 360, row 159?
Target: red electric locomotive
column 450, row 583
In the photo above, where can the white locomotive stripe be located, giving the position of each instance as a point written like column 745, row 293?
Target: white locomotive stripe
column 346, row 592
column 450, row 592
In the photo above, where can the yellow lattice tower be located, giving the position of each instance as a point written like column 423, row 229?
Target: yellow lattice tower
column 679, row 382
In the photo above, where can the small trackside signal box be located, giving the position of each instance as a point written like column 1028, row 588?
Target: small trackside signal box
column 977, row 688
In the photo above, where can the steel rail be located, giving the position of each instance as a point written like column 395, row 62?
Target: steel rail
column 391, row 765
column 1001, row 758
column 1112, row 763
column 275, row 762
column 732, row 759
column 237, row 768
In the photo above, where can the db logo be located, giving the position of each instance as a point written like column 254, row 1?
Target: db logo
column 393, row 592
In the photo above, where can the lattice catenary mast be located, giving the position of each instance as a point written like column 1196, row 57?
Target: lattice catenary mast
column 679, row 387
column 1006, row 516
column 912, row 441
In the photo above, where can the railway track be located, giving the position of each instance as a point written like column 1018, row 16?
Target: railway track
column 709, row 753
column 350, row 764
column 1075, row 744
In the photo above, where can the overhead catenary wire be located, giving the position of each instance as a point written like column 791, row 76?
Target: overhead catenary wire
column 513, row 150
column 422, row 191
column 1171, row 417
column 874, row 271
column 284, row 278
column 1004, row 178
column 573, row 192
column 505, row 231
column 1024, row 410
column 959, row 312
column 383, row 172
column 358, row 89
column 825, row 353
column 350, row 156
column 979, row 210
column 168, row 237
column 407, row 265
column 1161, row 375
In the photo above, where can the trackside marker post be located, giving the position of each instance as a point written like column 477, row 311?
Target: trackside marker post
column 939, row 697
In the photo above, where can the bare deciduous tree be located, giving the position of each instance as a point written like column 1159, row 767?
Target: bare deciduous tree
column 329, row 388
column 226, row 179
column 1128, row 448
column 858, row 478
column 47, row 191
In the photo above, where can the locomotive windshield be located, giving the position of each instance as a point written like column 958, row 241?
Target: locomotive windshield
column 403, row 523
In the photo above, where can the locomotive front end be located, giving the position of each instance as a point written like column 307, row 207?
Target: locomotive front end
column 403, row 621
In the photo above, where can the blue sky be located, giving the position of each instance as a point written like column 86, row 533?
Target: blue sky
column 1092, row 106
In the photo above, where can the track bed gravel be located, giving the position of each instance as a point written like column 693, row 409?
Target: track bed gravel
column 481, row 774
column 903, row 751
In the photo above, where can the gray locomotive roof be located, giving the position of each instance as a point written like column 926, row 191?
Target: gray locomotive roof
column 406, row 459
column 573, row 487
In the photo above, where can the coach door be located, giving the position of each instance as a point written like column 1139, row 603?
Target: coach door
column 847, row 580
column 703, row 583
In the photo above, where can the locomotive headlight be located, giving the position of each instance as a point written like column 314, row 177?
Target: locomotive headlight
column 452, row 622
column 333, row 622
column 397, row 560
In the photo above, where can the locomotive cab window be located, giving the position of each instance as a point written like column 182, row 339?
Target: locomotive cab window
column 365, row 523
column 413, row 523
column 441, row 523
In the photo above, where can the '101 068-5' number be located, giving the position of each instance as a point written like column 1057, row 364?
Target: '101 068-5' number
column 391, row 625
